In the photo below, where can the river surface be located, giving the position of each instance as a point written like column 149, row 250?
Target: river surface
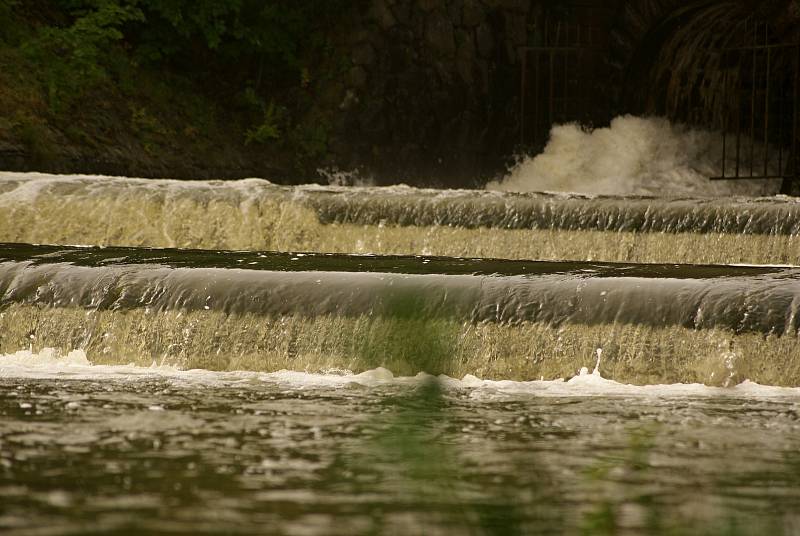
column 88, row 449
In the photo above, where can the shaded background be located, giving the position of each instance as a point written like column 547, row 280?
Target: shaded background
column 427, row 92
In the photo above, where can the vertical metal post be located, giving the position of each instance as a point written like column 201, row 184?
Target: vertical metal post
column 739, row 120
column 565, row 95
column 753, row 101
column 724, row 117
column 580, row 79
column 781, row 109
column 536, row 97
column 552, row 84
column 786, row 187
column 766, row 111
column 522, row 96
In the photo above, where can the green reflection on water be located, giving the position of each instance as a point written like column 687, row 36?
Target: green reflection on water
column 419, row 464
column 424, row 454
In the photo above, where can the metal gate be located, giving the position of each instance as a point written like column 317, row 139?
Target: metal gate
column 759, row 110
column 560, row 81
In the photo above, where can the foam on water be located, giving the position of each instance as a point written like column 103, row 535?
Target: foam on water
column 50, row 364
column 634, row 156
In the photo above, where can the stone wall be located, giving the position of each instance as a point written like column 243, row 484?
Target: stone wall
column 431, row 90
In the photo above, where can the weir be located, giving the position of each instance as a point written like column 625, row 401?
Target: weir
column 257, row 215
column 502, row 319
column 602, row 339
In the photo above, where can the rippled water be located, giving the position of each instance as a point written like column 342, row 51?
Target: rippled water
column 85, row 449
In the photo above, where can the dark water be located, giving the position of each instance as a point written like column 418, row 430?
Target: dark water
column 185, row 453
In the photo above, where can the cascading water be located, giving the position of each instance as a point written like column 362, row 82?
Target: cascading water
column 501, row 319
column 189, row 391
column 254, row 214
column 635, row 156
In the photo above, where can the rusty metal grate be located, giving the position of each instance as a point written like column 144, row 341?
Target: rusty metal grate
column 759, row 110
column 560, row 81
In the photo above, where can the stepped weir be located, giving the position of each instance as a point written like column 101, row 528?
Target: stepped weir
column 503, row 319
column 255, row 214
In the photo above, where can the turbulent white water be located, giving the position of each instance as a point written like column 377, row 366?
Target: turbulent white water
column 50, row 364
column 634, row 156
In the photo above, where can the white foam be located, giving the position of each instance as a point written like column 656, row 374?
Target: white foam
column 47, row 358
column 593, row 384
column 29, row 186
column 634, row 156
column 49, row 364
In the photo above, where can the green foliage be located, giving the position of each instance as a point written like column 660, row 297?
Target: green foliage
column 71, row 58
column 309, row 140
column 69, row 49
column 273, row 116
column 34, row 135
column 265, row 38
column 9, row 29
column 148, row 128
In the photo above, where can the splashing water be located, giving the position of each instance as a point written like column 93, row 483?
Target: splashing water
column 255, row 214
column 634, row 156
column 312, row 312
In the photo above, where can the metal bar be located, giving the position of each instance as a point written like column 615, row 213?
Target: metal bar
column 552, row 85
column 739, row 121
column 724, row 119
column 539, row 59
column 536, row 115
column 745, row 178
column 753, row 104
column 522, row 96
column 766, row 109
column 781, row 109
column 762, row 99
column 582, row 89
column 580, row 108
column 537, row 81
column 786, row 187
column 760, row 47
column 566, row 87
column 561, row 48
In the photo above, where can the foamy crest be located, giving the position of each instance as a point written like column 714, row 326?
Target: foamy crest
column 48, row 358
column 49, row 363
column 634, row 156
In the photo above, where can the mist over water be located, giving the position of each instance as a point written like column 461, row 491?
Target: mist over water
column 634, row 156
